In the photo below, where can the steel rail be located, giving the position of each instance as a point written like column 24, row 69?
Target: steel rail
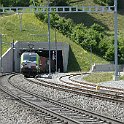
column 107, row 91
column 78, row 90
column 87, row 117
column 88, row 85
column 94, row 85
column 91, row 116
column 32, row 100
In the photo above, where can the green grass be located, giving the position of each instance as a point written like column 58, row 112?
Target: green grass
column 98, row 77
column 82, row 2
column 104, row 19
column 79, row 60
column 122, row 77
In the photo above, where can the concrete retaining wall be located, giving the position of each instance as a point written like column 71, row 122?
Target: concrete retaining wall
column 106, row 68
column 7, row 64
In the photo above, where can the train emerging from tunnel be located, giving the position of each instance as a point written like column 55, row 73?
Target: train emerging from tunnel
column 32, row 64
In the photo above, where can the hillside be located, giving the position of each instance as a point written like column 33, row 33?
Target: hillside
column 79, row 60
column 107, row 21
column 104, row 19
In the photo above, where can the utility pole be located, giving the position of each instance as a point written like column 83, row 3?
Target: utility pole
column 56, row 48
column 1, row 68
column 116, row 39
column 49, row 37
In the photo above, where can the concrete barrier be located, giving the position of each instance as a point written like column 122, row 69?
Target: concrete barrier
column 106, row 68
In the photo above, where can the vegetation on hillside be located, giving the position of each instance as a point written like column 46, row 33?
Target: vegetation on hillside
column 110, row 3
column 79, row 59
column 90, row 38
column 33, row 2
column 7, row 3
column 93, row 32
column 104, row 2
column 99, row 77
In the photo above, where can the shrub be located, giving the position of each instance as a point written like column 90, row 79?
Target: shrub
column 60, row 2
column 93, row 37
column 15, row 2
column 105, row 2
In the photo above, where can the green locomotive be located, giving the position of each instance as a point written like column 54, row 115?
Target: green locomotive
column 29, row 65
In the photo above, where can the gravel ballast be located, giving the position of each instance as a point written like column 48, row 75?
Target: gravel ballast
column 13, row 112
column 103, row 107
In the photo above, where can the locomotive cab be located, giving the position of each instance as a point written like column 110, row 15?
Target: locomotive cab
column 29, row 64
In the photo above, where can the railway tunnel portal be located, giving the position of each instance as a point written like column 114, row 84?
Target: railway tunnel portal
column 11, row 59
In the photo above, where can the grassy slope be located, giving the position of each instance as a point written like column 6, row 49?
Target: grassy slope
column 99, row 77
column 79, row 58
column 105, row 19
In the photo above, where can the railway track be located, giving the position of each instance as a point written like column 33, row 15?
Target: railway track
column 110, row 89
column 116, row 94
column 81, row 89
column 55, row 111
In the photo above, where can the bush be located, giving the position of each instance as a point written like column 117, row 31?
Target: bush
column 15, row 2
column 121, row 50
column 63, row 25
column 78, row 33
column 59, row 3
column 105, row 2
column 93, row 37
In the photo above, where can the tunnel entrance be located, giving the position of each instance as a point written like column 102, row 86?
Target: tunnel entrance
column 44, row 60
column 44, row 54
column 11, row 60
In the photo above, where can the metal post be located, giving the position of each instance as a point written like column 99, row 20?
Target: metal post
column 115, row 39
column 1, row 68
column 91, row 55
column 13, row 49
column 49, row 37
column 56, row 48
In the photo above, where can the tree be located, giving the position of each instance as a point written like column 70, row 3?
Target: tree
column 15, row 3
column 60, row 2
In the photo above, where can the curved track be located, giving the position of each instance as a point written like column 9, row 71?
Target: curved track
column 69, row 79
column 111, row 93
column 56, row 111
column 81, row 88
column 105, row 88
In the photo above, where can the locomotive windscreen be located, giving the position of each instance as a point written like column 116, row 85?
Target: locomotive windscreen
column 29, row 57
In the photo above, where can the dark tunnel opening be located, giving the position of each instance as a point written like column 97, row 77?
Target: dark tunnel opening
column 44, row 59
